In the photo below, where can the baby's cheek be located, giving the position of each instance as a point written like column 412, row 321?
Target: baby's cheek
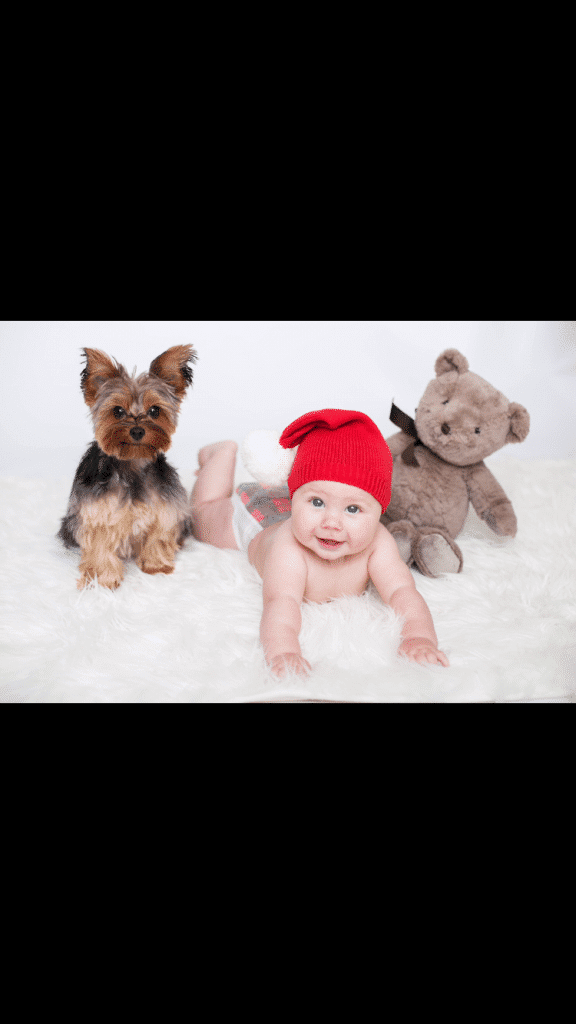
column 365, row 528
column 302, row 523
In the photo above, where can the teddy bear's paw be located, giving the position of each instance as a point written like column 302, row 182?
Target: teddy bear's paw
column 435, row 554
column 501, row 518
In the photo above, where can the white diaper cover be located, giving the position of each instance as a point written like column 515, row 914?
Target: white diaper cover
column 244, row 525
column 256, row 507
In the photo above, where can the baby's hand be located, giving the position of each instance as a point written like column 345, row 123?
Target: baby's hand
column 423, row 651
column 289, row 663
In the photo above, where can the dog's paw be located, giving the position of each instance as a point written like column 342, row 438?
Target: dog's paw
column 105, row 579
column 153, row 568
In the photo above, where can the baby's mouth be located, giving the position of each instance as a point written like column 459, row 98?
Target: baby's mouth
column 333, row 544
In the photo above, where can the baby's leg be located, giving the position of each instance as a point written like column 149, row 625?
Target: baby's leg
column 211, row 506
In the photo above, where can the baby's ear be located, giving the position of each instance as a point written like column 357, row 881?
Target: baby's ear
column 451, row 360
column 99, row 369
column 174, row 367
column 519, row 423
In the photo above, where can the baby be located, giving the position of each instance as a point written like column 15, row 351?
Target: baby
column 329, row 544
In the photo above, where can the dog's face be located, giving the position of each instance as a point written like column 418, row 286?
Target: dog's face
column 135, row 417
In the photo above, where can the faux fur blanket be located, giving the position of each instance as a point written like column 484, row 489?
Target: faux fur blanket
column 507, row 623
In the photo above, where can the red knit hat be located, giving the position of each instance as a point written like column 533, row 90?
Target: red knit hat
column 343, row 446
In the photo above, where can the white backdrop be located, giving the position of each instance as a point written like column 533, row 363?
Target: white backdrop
column 255, row 374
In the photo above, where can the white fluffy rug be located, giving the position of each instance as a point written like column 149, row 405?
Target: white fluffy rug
column 507, row 623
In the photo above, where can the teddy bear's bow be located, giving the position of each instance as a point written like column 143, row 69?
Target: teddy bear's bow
column 408, row 426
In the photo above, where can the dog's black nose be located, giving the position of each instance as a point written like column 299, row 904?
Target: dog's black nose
column 137, row 433
column 446, row 429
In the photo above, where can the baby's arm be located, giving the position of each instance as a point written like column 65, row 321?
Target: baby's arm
column 284, row 583
column 395, row 584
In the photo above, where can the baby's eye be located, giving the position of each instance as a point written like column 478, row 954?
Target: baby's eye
column 317, row 502
column 119, row 412
column 154, row 412
column 478, row 431
column 447, row 402
column 353, row 509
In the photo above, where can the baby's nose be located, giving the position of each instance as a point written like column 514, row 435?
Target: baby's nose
column 333, row 520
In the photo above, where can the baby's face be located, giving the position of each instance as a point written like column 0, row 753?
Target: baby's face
column 334, row 520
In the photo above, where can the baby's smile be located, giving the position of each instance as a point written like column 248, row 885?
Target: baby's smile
column 333, row 520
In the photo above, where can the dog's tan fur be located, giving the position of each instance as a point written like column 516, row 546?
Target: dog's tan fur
column 126, row 501
column 112, row 530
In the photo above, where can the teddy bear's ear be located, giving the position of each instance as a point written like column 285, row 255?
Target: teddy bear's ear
column 451, row 360
column 519, row 423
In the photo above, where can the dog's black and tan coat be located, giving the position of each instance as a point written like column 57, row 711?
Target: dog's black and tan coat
column 126, row 500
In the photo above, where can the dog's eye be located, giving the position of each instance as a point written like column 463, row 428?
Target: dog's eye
column 119, row 412
column 154, row 412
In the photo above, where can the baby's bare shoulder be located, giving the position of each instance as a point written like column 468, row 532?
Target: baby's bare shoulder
column 284, row 569
column 275, row 547
column 384, row 542
column 386, row 567
column 384, row 555
column 282, row 546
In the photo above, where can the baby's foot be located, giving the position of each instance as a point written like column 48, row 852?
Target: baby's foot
column 210, row 450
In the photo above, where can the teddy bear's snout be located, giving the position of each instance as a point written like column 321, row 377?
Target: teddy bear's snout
column 446, row 429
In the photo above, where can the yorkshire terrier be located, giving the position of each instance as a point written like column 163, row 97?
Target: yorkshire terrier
column 126, row 500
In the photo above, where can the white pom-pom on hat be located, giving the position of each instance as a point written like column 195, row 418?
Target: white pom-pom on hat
column 269, row 463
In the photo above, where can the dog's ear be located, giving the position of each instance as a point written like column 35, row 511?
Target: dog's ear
column 99, row 368
column 174, row 367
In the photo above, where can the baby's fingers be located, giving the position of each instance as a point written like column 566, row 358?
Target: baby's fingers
column 435, row 658
column 425, row 658
column 290, row 663
column 426, row 655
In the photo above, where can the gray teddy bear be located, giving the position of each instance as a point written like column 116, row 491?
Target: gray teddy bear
column 439, row 465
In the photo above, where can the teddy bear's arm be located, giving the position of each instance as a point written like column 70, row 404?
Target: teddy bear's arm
column 490, row 501
column 398, row 443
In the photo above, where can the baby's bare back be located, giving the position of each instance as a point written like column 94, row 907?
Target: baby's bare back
column 275, row 550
